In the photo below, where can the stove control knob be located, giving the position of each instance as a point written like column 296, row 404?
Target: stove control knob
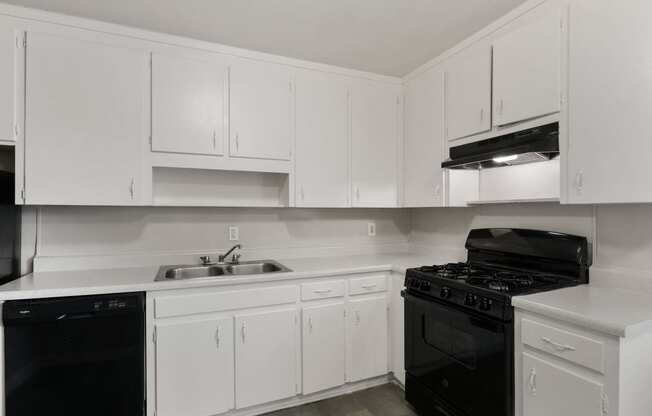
column 471, row 299
column 425, row 286
column 445, row 293
column 485, row 304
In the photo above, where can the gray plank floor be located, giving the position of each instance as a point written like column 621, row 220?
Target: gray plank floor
column 385, row 400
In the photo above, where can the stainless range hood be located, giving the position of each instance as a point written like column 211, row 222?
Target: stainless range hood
column 533, row 145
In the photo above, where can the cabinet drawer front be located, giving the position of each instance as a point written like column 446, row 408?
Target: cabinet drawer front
column 371, row 284
column 169, row 306
column 322, row 290
column 561, row 343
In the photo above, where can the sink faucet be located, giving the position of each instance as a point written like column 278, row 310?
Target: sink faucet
column 222, row 257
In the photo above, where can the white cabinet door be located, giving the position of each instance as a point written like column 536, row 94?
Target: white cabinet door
column 609, row 102
column 468, row 92
column 552, row 390
column 8, row 54
column 424, row 141
column 375, row 143
column 85, row 121
column 322, row 140
column 194, row 367
column 324, row 348
column 526, row 72
column 367, row 338
column 188, row 104
column 266, row 357
column 261, row 110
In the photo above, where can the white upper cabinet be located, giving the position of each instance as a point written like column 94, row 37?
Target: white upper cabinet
column 261, row 109
column 424, row 141
column 194, row 367
column 367, row 338
column 526, row 71
column 609, row 102
column 189, row 103
column 86, row 120
column 468, row 92
column 375, row 143
column 322, row 140
column 266, row 357
column 323, row 347
column 8, row 54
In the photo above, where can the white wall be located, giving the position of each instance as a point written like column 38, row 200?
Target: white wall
column 96, row 231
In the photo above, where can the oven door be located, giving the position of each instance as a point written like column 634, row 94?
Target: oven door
column 463, row 358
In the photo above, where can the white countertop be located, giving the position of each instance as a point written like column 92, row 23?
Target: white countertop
column 616, row 312
column 136, row 279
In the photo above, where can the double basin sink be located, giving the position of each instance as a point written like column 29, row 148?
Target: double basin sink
column 183, row 272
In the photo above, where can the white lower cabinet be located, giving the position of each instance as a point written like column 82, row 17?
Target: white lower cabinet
column 194, row 367
column 265, row 357
column 323, row 347
column 553, row 390
column 566, row 370
column 367, row 329
column 259, row 347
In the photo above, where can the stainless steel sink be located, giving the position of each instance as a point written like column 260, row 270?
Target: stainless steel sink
column 181, row 272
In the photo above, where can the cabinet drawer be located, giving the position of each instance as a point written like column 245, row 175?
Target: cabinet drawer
column 322, row 290
column 370, row 284
column 169, row 306
column 561, row 343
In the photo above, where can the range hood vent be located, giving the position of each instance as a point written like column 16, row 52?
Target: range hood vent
column 528, row 146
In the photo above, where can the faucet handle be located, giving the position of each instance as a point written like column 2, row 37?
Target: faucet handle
column 235, row 259
column 206, row 260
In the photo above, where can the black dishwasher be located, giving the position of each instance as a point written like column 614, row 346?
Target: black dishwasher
column 75, row 356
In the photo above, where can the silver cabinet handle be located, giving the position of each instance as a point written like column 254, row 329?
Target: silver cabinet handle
column 369, row 286
column 437, row 190
column 532, row 382
column 357, row 193
column 214, row 140
column 237, row 142
column 322, row 291
column 310, row 324
column 303, row 195
column 357, row 317
column 557, row 346
column 243, row 333
column 132, row 188
column 501, row 105
column 579, row 182
column 217, row 338
column 481, row 114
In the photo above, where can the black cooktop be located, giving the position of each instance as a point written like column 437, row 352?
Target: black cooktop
column 495, row 279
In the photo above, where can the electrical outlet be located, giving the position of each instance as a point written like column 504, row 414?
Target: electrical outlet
column 371, row 229
column 234, row 233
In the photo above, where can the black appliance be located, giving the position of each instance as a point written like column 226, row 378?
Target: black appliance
column 459, row 330
column 527, row 146
column 10, row 223
column 75, row 356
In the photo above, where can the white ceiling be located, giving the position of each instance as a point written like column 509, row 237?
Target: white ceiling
column 389, row 37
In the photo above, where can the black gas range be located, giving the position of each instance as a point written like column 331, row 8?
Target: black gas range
column 459, row 331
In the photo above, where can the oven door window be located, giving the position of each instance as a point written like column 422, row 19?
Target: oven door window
column 464, row 358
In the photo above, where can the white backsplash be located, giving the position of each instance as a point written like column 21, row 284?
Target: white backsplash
column 69, row 232
column 621, row 235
